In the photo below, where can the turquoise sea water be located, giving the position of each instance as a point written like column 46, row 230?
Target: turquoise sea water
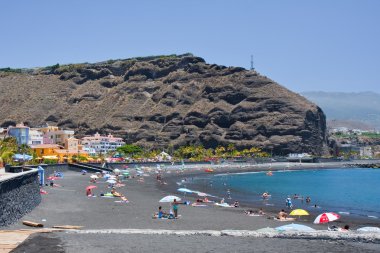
column 345, row 191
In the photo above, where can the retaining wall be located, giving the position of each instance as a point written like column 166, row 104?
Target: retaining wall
column 19, row 194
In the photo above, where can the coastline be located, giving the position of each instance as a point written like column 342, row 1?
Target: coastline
column 354, row 221
column 107, row 223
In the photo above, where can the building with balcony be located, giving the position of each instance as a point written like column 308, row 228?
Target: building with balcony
column 35, row 137
column 57, row 136
column 102, row 144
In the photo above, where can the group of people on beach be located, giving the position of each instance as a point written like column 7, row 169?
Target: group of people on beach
column 173, row 212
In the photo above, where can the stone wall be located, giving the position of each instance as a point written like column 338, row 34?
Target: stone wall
column 19, row 194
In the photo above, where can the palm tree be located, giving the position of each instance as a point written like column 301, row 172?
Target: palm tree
column 8, row 148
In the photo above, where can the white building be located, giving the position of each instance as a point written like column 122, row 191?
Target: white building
column 366, row 152
column 102, row 144
column 36, row 137
column 90, row 151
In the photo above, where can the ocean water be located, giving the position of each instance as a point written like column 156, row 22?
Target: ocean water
column 345, row 191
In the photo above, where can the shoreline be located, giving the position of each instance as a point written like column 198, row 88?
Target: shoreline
column 355, row 221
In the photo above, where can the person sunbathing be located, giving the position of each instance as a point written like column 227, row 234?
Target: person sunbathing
column 261, row 212
column 115, row 193
column 124, row 199
column 282, row 215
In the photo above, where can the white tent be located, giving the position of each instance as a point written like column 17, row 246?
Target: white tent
column 163, row 156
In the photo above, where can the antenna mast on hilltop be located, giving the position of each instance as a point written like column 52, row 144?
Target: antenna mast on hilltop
column 252, row 68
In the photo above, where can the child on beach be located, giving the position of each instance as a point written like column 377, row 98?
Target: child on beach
column 175, row 208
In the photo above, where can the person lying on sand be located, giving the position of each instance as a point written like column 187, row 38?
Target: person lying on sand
column 335, row 228
column 253, row 213
column 115, row 193
column 123, row 198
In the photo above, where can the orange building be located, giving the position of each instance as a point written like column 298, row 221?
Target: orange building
column 59, row 153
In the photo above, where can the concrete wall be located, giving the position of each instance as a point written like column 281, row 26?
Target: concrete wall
column 19, row 194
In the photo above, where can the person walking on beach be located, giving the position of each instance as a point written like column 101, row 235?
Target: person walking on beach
column 175, row 208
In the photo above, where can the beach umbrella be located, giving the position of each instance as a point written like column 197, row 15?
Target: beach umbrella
column 184, row 190
column 299, row 213
column 111, row 181
column 107, row 176
column 22, row 157
column 169, row 198
column 93, row 176
column 90, row 187
column 326, row 217
column 266, row 230
column 116, row 170
column 295, row 227
column 369, row 229
column 52, row 178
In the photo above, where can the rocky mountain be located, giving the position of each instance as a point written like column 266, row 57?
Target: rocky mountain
column 165, row 100
column 353, row 110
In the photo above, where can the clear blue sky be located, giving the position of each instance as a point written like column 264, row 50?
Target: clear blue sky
column 304, row 45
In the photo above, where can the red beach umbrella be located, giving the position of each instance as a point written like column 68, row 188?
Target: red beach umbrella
column 326, row 217
column 90, row 187
column 52, row 178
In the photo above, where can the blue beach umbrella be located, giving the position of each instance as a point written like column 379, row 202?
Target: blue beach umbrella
column 22, row 157
column 295, row 227
column 369, row 229
column 184, row 190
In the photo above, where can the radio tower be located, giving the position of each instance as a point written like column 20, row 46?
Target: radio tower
column 252, row 68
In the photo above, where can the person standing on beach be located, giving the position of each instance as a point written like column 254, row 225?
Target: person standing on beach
column 289, row 203
column 175, row 208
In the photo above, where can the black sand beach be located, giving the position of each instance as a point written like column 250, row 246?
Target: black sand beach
column 68, row 205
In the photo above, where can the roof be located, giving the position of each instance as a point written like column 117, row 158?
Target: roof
column 45, row 146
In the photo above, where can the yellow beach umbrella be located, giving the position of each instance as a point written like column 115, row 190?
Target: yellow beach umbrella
column 298, row 212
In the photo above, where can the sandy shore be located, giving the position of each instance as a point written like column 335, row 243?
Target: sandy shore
column 68, row 205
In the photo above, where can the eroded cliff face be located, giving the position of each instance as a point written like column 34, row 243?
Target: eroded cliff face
column 167, row 100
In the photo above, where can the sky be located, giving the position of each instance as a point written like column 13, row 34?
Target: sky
column 315, row 45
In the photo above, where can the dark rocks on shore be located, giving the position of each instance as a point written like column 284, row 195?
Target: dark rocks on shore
column 168, row 100
column 18, row 196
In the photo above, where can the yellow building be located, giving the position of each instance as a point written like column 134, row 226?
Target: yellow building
column 59, row 153
column 42, row 150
